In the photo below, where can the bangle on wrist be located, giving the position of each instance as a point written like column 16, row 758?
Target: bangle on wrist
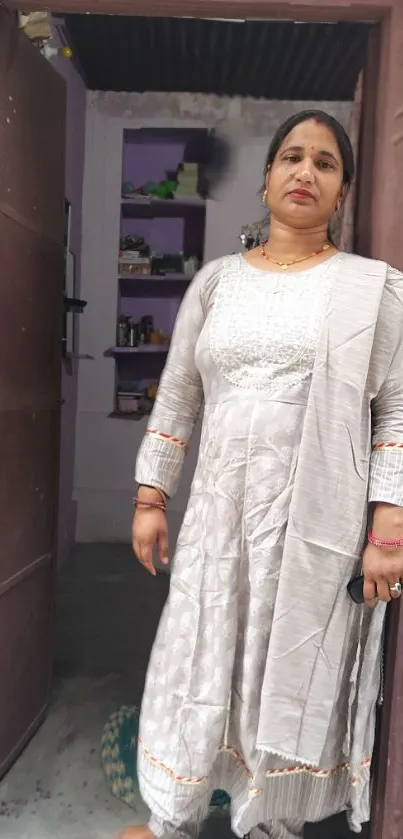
column 161, row 494
column 149, row 505
column 391, row 544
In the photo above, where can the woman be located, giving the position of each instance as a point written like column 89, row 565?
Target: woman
column 265, row 674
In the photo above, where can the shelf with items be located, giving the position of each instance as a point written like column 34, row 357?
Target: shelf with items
column 161, row 248
column 140, row 350
column 133, row 416
column 161, row 207
column 137, row 285
column 136, row 386
column 164, row 166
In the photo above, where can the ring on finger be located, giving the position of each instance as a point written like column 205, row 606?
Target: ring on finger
column 396, row 589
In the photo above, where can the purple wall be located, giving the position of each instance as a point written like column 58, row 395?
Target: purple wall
column 75, row 139
column 144, row 160
column 150, row 162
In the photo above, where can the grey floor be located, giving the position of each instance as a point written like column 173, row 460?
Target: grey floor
column 108, row 611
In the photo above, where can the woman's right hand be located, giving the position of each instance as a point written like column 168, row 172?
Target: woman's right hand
column 150, row 528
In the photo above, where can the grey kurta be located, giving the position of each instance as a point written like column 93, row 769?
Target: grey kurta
column 245, row 346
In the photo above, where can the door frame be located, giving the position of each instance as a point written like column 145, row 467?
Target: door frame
column 301, row 10
column 380, row 208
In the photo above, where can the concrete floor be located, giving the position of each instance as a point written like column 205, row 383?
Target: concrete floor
column 107, row 615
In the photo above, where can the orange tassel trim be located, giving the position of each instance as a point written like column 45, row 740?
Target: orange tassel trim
column 396, row 446
column 271, row 773
column 167, row 437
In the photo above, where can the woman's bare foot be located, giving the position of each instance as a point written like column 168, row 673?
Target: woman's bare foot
column 140, row 831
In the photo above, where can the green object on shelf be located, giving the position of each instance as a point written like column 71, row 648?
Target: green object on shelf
column 165, row 189
column 118, row 756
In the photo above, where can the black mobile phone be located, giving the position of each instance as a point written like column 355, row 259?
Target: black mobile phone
column 355, row 589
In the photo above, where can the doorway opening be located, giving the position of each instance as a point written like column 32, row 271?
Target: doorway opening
column 168, row 124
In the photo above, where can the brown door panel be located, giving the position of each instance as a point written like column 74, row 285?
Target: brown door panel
column 32, row 134
column 27, row 489
column 25, row 652
column 30, row 318
column 32, row 138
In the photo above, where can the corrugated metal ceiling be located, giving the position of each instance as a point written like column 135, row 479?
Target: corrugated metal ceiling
column 270, row 59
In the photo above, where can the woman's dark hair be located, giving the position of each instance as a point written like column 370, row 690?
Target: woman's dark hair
column 341, row 137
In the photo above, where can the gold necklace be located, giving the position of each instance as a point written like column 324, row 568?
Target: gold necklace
column 285, row 265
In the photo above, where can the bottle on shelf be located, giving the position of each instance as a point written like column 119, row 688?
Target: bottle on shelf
column 122, row 331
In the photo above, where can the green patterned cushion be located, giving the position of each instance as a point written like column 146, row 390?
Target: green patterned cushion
column 118, row 755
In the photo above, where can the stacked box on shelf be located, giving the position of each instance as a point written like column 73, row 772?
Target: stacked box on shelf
column 188, row 180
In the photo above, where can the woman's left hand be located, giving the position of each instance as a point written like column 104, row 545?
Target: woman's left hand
column 382, row 569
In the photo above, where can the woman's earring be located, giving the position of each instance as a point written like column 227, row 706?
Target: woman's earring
column 264, row 197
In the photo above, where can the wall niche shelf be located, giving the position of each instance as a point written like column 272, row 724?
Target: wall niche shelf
column 145, row 349
column 163, row 236
column 162, row 207
column 136, row 416
column 146, row 285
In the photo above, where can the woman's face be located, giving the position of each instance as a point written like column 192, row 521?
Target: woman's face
column 305, row 181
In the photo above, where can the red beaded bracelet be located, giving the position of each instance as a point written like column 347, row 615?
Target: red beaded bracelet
column 392, row 544
column 151, row 505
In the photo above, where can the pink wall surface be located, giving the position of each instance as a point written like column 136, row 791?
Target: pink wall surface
column 75, row 146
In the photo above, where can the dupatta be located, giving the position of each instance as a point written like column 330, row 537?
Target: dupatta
column 328, row 513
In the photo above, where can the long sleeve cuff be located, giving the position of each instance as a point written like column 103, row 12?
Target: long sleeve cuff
column 386, row 476
column 159, row 462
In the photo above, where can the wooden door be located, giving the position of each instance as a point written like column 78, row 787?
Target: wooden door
column 32, row 130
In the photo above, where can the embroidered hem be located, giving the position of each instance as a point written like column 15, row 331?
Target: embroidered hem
column 270, row 773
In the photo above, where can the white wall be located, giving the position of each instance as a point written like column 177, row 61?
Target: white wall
column 106, row 448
